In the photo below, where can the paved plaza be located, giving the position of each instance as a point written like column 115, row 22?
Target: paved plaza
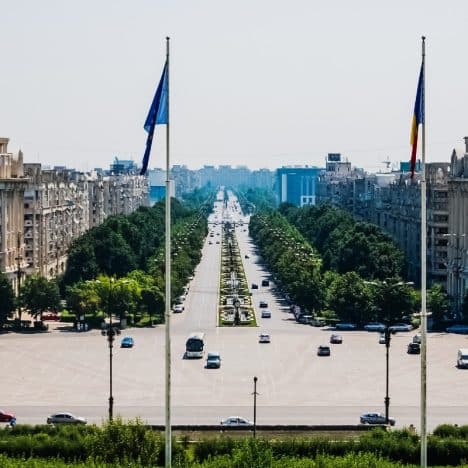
column 64, row 370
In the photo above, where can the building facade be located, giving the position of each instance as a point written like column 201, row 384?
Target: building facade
column 297, row 185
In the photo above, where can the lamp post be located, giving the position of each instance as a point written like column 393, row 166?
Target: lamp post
column 386, row 310
column 19, row 272
column 255, row 393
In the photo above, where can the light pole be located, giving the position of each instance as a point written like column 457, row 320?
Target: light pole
column 255, row 393
column 110, row 332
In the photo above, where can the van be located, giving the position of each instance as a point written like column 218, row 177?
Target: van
column 462, row 358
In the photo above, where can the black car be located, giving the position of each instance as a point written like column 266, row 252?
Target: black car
column 414, row 348
column 263, row 304
column 265, row 282
column 323, row 351
column 254, row 286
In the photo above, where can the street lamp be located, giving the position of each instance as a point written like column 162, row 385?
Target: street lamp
column 110, row 332
column 388, row 333
column 255, row 393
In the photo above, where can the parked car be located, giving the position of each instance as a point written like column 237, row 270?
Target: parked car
column 345, row 326
column 213, row 360
column 217, row 241
column 265, row 282
column 414, row 348
column 374, row 326
column 264, row 338
column 266, row 314
column 400, row 327
column 65, row 418
column 6, row 417
column 304, row 318
column 236, row 421
column 50, row 316
column 246, row 256
column 178, row 308
column 460, row 328
column 263, row 304
column 209, row 242
column 462, row 358
column 382, row 339
column 317, row 323
column 375, row 418
column 323, row 350
column 336, row 339
column 254, row 286
column 127, row 342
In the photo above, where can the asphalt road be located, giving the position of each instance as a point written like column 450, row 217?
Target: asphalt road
column 68, row 371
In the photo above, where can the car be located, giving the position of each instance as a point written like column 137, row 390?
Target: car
column 209, row 242
column 304, row 318
column 462, row 358
column 236, row 421
column 459, row 328
column 345, row 326
column 50, row 316
column 336, row 339
column 246, row 256
column 414, row 348
column 65, row 418
column 6, row 417
column 213, row 360
column 323, row 350
column 254, row 286
column 375, row 418
column 217, row 241
column 266, row 314
column 317, row 323
column 178, row 308
column 265, row 282
column 374, row 326
column 264, row 338
column 382, row 339
column 400, row 327
column 263, row 305
column 417, row 338
column 127, row 342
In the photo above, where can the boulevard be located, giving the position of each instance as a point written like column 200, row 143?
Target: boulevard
column 68, row 371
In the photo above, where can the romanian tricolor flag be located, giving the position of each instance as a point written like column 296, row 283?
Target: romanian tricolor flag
column 418, row 118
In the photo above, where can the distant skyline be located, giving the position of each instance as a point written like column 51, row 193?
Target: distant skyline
column 262, row 83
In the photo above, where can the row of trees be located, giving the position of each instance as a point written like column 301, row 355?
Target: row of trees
column 348, row 296
column 120, row 265
column 346, row 244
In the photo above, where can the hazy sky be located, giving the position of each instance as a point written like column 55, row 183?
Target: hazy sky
column 258, row 82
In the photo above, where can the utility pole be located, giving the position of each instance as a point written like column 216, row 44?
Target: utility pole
column 255, row 393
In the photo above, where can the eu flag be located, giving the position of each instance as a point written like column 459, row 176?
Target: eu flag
column 157, row 115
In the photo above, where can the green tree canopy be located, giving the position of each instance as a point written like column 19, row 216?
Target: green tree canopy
column 7, row 299
column 39, row 294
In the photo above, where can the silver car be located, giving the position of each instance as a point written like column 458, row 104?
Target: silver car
column 65, row 418
column 236, row 421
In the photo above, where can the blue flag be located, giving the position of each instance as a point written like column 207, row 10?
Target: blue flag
column 157, row 115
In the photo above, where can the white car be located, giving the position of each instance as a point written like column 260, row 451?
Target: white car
column 65, row 418
column 266, row 314
column 264, row 338
column 375, row 418
column 382, row 339
column 400, row 327
column 417, row 338
column 374, row 326
column 236, row 421
column 178, row 308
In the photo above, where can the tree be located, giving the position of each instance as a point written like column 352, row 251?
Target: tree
column 39, row 294
column 437, row 303
column 83, row 298
column 394, row 300
column 350, row 298
column 7, row 302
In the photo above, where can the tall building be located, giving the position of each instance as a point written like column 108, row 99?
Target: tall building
column 297, row 184
column 12, row 187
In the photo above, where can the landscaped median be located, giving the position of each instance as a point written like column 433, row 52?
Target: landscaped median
column 235, row 302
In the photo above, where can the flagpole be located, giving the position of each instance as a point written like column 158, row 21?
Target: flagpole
column 423, row 272
column 168, row 435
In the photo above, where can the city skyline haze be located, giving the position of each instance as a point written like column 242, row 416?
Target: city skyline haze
column 262, row 84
